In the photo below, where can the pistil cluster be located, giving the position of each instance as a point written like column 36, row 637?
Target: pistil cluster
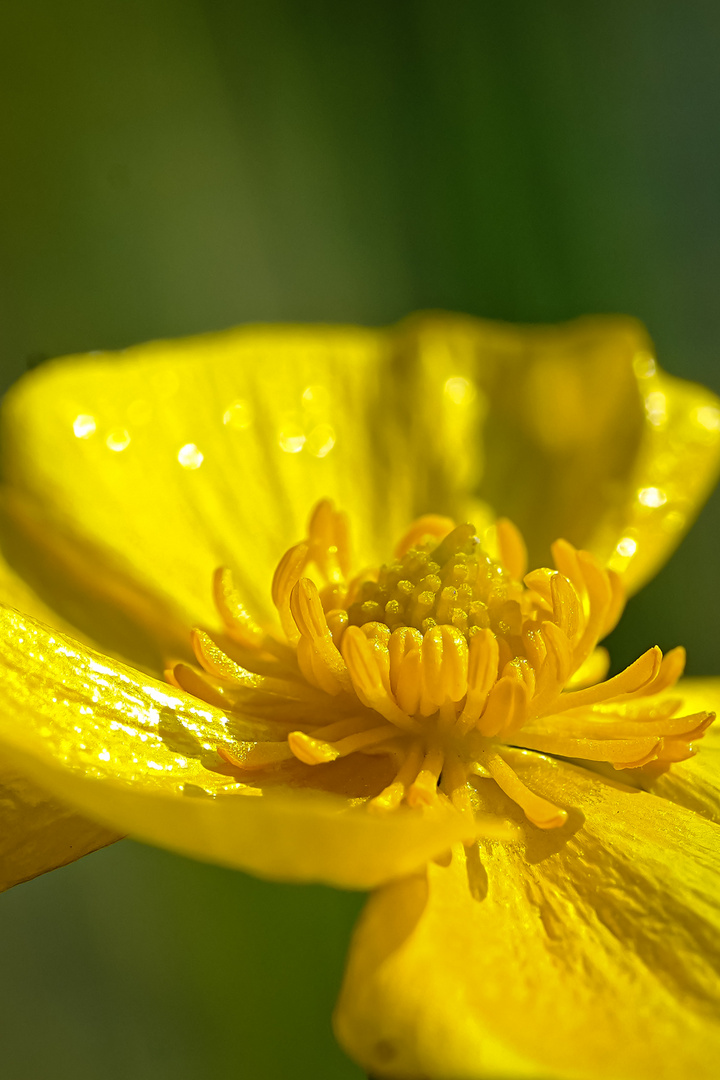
column 442, row 660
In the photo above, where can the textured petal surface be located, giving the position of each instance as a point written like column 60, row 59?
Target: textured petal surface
column 141, row 758
column 593, row 953
column 39, row 832
column 164, row 462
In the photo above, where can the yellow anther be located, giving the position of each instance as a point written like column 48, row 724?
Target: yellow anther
column 404, row 650
column 337, row 620
column 520, row 669
column 637, row 675
column 559, row 650
column 444, row 667
column 328, row 539
column 307, row 611
column 622, row 753
column 539, row 811
column 394, row 793
column 565, row 557
column 539, row 582
column 284, row 580
column 311, row 751
column 216, row 662
column 315, row 751
column 565, row 604
column 423, row 790
column 196, row 683
column 364, row 666
column 430, row 527
column 483, row 654
column 599, row 593
column 513, row 552
column 404, row 640
column 314, row 668
column 240, row 624
column 505, row 709
column 670, row 670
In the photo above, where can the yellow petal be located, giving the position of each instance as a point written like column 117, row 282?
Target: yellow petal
column 38, row 832
column 582, row 435
column 141, row 758
column 177, row 457
column 593, row 953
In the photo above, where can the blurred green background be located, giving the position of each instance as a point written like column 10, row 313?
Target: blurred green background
column 173, row 166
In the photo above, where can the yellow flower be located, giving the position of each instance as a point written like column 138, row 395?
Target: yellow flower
column 416, row 713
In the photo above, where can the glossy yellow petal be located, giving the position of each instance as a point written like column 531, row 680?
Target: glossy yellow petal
column 582, row 436
column 593, row 953
column 141, row 758
column 155, row 466
column 179, row 457
column 38, row 832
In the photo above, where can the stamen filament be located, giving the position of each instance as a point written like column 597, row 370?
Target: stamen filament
column 391, row 796
column 315, row 751
column 538, row 810
column 639, row 674
column 423, row 790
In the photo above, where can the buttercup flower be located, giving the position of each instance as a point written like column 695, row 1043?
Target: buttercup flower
column 304, row 554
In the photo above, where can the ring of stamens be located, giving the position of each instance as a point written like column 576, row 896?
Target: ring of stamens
column 440, row 660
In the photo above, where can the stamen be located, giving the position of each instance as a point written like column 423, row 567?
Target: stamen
column 328, row 540
column 505, row 708
column 404, row 650
column 314, row 751
column 513, row 552
column 284, row 580
column 671, row 668
column 566, row 605
column 423, row 790
column 624, row 753
column 444, row 668
column 539, row 811
column 637, row 675
column 483, row 654
column 394, row 793
column 216, row 662
column 240, row 624
column 365, row 673
column 438, row 660
column 310, row 620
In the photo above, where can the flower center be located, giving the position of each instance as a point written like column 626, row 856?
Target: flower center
column 445, row 662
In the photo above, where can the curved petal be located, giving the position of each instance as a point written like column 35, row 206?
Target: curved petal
column 179, row 457
column 593, row 953
column 39, row 832
column 141, row 758
column 582, row 435
column 176, row 457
